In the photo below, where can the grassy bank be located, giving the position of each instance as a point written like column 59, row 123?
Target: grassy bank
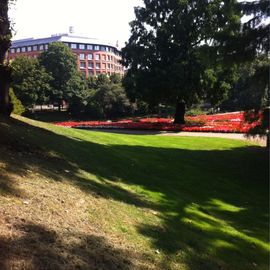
column 75, row 199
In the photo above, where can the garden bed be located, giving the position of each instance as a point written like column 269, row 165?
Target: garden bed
column 228, row 122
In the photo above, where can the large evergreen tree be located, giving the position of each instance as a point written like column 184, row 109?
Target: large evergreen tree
column 253, row 39
column 250, row 50
column 172, row 44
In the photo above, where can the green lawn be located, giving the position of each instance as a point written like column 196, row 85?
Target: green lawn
column 181, row 202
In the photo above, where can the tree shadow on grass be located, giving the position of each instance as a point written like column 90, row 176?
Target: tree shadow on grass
column 213, row 204
column 38, row 248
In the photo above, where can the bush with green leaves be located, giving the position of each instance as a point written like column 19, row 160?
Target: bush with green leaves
column 108, row 101
column 16, row 103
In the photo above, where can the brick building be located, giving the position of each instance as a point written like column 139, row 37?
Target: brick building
column 93, row 56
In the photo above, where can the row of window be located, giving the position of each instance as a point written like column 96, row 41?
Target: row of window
column 30, row 48
column 98, row 66
column 89, row 56
column 43, row 47
column 90, row 47
column 97, row 72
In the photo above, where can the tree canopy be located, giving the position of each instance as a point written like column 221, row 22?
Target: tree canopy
column 253, row 39
column 30, row 81
column 173, row 43
column 61, row 63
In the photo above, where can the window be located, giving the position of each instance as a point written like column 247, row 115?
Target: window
column 108, row 66
column 97, row 57
column 96, row 47
column 90, row 56
column 18, row 50
column 23, row 49
column 102, row 48
column 97, row 65
column 89, row 47
column 82, row 65
column 73, row 46
column 90, row 65
column 12, row 50
column 81, row 46
column 35, row 48
column 107, row 49
column 82, row 56
column 29, row 48
column 41, row 47
column 103, row 57
column 46, row 46
column 103, row 66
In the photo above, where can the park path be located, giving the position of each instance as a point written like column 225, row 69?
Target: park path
column 237, row 136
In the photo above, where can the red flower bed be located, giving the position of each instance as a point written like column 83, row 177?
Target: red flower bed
column 227, row 122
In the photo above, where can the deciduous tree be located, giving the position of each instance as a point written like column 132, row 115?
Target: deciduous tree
column 30, row 81
column 60, row 61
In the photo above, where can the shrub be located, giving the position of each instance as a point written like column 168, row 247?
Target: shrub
column 18, row 108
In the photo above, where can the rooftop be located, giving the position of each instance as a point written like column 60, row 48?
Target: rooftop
column 63, row 37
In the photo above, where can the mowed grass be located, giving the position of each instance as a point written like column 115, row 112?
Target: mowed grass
column 151, row 202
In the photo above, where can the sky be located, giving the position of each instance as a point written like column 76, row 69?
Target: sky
column 103, row 19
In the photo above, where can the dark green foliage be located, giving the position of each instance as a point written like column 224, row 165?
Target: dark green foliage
column 60, row 61
column 253, row 40
column 219, row 81
column 77, row 93
column 252, row 89
column 108, row 99
column 102, row 79
column 115, row 78
column 249, row 50
column 30, row 81
column 172, row 45
column 99, row 97
column 16, row 103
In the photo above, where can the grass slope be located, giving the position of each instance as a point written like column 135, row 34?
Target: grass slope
column 74, row 199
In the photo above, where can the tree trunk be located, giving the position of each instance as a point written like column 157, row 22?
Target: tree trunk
column 180, row 111
column 6, row 106
column 59, row 105
column 5, row 71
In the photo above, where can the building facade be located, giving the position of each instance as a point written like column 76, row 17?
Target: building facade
column 94, row 56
